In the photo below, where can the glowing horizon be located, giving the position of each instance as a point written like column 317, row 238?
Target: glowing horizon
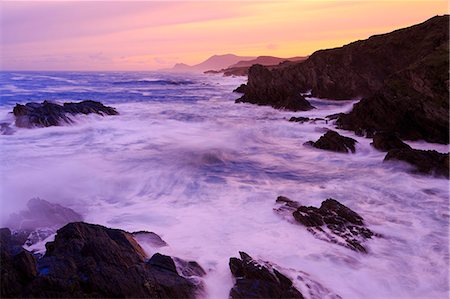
column 150, row 35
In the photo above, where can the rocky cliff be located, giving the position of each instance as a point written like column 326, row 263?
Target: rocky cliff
column 401, row 76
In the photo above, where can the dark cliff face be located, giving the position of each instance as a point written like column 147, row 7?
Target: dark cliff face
column 265, row 88
column 393, row 69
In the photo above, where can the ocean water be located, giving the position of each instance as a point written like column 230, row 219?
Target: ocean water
column 186, row 162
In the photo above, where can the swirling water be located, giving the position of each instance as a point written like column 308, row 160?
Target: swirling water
column 183, row 160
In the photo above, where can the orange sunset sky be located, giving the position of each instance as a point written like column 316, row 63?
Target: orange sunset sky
column 149, row 35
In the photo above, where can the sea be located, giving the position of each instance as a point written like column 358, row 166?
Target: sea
column 184, row 161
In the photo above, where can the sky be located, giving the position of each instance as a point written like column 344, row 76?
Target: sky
column 151, row 35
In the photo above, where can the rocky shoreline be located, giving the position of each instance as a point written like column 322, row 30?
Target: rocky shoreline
column 92, row 261
column 401, row 78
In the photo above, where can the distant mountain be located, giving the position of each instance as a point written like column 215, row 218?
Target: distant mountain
column 266, row 60
column 215, row 62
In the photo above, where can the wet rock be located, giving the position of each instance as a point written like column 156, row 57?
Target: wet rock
column 385, row 141
column 425, row 162
column 88, row 260
column 332, row 222
column 257, row 280
column 332, row 141
column 18, row 266
column 241, row 88
column 299, row 119
column 48, row 114
column 189, row 268
column 262, row 90
column 42, row 214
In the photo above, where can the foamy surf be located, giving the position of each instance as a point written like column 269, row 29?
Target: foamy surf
column 187, row 163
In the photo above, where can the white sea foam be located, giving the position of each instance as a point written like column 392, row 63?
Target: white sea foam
column 205, row 175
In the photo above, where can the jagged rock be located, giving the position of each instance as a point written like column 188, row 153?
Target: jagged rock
column 402, row 78
column 261, row 90
column 426, row 162
column 88, row 260
column 48, row 114
column 332, row 222
column 385, row 141
column 189, row 268
column 255, row 280
column 332, row 141
column 18, row 266
column 241, row 88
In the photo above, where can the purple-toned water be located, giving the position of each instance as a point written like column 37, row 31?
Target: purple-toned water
column 184, row 161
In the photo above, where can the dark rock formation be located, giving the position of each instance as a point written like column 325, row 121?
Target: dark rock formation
column 255, row 280
column 426, row 162
column 18, row 267
column 332, row 141
column 332, row 222
column 385, row 141
column 48, row 114
column 262, row 89
column 402, row 77
column 299, row 119
column 240, row 89
column 87, row 260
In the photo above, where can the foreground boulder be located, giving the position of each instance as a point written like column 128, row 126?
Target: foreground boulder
column 88, row 260
column 425, row 162
column 332, row 222
column 386, row 141
column 18, row 266
column 332, row 141
column 261, row 90
column 48, row 114
column 255, row 280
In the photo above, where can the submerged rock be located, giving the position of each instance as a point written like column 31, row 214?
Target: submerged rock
column 299, row 119
column 425, row 162
column 42, row 214
column 332, row 222
column 88, row 260
column 332, row 141
column 255, row 280
column 385, row 141
column 48, row 114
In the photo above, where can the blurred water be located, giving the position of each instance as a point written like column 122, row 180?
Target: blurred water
column 184, row 161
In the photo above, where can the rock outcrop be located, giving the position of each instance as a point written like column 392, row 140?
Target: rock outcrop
column 402, row 78
column 332, row 222
column 424, row 162
column 18, row 266
column 384, row 141
column 332, row 141
column 256, row 280
column 48, row 114
column 87, row 260
column 263, row 89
